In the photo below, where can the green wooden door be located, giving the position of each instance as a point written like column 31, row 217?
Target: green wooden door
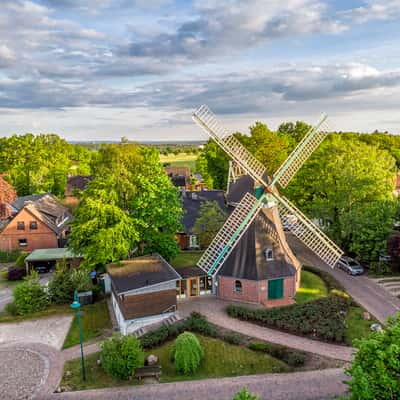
column 275, row 289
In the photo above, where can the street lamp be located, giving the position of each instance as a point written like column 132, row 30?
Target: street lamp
column 76, row 305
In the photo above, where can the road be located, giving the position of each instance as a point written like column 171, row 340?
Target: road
column 374, row 298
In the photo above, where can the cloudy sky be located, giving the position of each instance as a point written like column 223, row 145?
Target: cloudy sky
column 102, row 69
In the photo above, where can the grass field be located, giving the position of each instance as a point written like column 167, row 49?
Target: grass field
column 180, row 160
column 51, row 311
column 95, row 319
column 220, row 360
column 186, row 259
column 357, row 326
column 311, row 287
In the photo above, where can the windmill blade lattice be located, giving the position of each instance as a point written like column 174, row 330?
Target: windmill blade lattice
column 307, row 232
column 230, row 234
column 206, row 119
column 301, row 153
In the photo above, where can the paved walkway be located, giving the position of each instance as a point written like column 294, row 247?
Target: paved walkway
column 311, row 385
column 75, row 351
column 48, row 331
column 214, row 310
column 369, row 294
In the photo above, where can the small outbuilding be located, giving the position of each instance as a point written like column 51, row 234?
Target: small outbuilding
column 143, row 291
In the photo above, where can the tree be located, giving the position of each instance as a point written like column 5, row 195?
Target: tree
column 121, row 355
column 187, row 353
column 341, row 177
column 293, row 132
column 375, row 369
column 209, row 222
column 244, row 394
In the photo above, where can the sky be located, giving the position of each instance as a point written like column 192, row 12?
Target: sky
column 103, row 69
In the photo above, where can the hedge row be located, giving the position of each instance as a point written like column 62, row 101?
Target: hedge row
column 330, row 281
column 324, row 318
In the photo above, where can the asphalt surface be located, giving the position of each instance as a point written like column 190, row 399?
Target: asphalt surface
column 369, row 294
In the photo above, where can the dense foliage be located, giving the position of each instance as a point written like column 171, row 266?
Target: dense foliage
column 324, row 318
column 375, row 370
column 121, row 355
column 41, row 163
column 130, row 206
column 209, row 222
column 187, row 353
column 30, row 296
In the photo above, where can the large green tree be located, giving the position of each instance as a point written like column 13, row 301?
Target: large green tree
column 130, row 205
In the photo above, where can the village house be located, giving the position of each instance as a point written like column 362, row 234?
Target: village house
column 35, row 222
column 75, row 184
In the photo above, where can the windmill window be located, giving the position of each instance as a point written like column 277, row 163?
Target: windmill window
column 238, row 287
column 269, row 255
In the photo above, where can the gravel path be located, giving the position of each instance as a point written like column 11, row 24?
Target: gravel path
column 312, row 385
column 214, row 310
column 49, row 331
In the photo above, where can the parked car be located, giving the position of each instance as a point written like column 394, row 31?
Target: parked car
column 349, row 265
column 42, row 268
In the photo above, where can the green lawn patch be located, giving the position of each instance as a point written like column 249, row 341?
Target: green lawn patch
column 220, row 360
column 51, row 311
column 312, row 287
column 95, row 320
column 357, row 326
column 186, row 259
column 180, row 160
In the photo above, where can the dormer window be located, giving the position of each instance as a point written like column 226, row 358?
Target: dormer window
column 21, row 225
column 269, row 255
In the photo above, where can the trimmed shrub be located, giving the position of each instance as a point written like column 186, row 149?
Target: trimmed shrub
column 121, row 355
column 198, row 323
column 187, row 353
column 16, row 274
column 4, row 274
column 155, row 338
column 232, row 338
column 244, row 394
column 330, row 281
column 11, row 309
column 30, row 296
column 20, row 262
column 323, row 318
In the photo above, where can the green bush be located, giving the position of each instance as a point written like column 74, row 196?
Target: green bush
column 323, row 318
column 9, row 256
column 4, row 275
column 232, row 338
column 20, row 262
column 121, row 355
column 155, row 338
column 244, row 394
column 198, row 323
column 11, row 309
column 291, row 357
column 30, row 296
column 187, row 353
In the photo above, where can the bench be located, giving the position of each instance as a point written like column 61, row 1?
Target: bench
column 148, row 371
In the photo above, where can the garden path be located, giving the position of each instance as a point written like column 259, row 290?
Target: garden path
column 214, row 310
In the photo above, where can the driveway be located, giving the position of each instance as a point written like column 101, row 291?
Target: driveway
column 311, row 385
column 365, row 291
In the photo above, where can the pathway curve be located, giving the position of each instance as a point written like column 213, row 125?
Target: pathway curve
column 311, row 385
column 214, row 310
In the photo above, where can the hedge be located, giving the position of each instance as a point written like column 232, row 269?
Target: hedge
column 6, row 257
column 324, row 318
column 330, row 281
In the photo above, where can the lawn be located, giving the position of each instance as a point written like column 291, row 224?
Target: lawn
column 311, row 287
column 186, row 259
column 95, row 320
column 220, row 360
column 357, row 326
column 50, row 311
column 180, row 160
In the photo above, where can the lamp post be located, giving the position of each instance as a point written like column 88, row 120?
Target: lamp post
column 76, row 305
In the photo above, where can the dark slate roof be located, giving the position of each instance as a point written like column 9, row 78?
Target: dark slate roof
column 19, row 203
column 189, row 272
column 247, row 260
column 237, row 189
column 139, row 272
column 191, row 205
column 78, row 182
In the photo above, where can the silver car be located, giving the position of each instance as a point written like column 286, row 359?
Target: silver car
column 349, row 265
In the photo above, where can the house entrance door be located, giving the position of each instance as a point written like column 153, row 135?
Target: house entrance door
column 193, row 287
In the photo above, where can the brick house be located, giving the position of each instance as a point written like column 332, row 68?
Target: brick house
column 261, row 269
column 75, row 184
column 143, row 291
column 37, row 222
column 191, row 203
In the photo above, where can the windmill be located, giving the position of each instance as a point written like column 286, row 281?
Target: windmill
column 267, row 196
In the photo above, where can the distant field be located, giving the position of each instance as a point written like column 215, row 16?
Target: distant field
column 180, row 160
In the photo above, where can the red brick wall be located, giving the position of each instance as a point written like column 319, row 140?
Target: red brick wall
column 41, row 238
column 252, row 291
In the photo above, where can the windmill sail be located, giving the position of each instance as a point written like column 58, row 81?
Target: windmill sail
column 229, row 235
column 307, row 232
column 205, row 118
column 301, row 153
